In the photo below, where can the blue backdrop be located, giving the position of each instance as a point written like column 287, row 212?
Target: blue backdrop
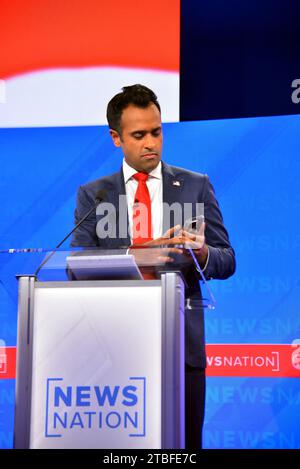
column 254, row 166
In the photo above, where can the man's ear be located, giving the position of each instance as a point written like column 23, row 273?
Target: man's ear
column 115, row 137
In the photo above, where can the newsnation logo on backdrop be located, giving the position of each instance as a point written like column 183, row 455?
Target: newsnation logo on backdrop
column 254, row 360
column 107, row 407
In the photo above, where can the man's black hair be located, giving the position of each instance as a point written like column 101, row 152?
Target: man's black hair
column 138, row 95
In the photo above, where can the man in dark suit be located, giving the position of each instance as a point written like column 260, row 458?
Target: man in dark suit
column 134, row 119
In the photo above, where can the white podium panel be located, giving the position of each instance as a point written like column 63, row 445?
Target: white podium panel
column 96, row 366
column 100, row 364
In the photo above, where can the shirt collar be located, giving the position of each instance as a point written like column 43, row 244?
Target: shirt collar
column 128, row 171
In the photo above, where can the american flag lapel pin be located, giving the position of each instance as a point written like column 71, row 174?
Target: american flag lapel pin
column 176, row 183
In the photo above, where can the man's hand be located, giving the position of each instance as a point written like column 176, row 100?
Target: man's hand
column 176, row 239
column 196, row 241
column 187, row 240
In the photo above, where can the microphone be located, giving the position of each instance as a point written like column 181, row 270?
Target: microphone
column 100, row 196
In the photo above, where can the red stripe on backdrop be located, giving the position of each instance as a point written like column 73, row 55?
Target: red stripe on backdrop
column 253, row 360
column 46, row 34
column 7, row 363
column 243, row 360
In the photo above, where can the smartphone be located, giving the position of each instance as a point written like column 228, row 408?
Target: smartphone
column 193, row 225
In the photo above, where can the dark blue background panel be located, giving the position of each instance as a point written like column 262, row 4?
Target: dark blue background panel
column 254, row 166
column 238, row 59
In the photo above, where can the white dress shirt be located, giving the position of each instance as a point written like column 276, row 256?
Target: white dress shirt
column 155, row 187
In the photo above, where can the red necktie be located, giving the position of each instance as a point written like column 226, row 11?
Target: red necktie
column 142, row 219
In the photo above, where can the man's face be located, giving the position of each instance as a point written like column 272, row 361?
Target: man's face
column 141, row 137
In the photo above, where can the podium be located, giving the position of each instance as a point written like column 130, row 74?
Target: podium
column 100, row 362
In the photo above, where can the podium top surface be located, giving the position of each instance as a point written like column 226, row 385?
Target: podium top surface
column 138, row 263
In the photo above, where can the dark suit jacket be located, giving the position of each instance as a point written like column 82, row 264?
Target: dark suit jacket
column 189, row 187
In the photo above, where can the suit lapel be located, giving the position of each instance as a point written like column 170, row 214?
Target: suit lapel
column 172, row 190
column 116, row 187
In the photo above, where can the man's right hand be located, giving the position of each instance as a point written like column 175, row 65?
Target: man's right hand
column 153, row 252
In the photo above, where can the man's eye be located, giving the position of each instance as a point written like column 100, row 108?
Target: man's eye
column 138, row 135
column 156, row 133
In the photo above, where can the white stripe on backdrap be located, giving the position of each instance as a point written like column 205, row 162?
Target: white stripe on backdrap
column 71, row 97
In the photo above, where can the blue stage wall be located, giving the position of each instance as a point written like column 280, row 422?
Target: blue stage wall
column 254, row 166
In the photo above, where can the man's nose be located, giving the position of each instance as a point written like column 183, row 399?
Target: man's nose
column 149, row 142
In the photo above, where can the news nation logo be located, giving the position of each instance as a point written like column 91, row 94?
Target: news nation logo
column 3, row 357
column 100, row 407
column 268, row 360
